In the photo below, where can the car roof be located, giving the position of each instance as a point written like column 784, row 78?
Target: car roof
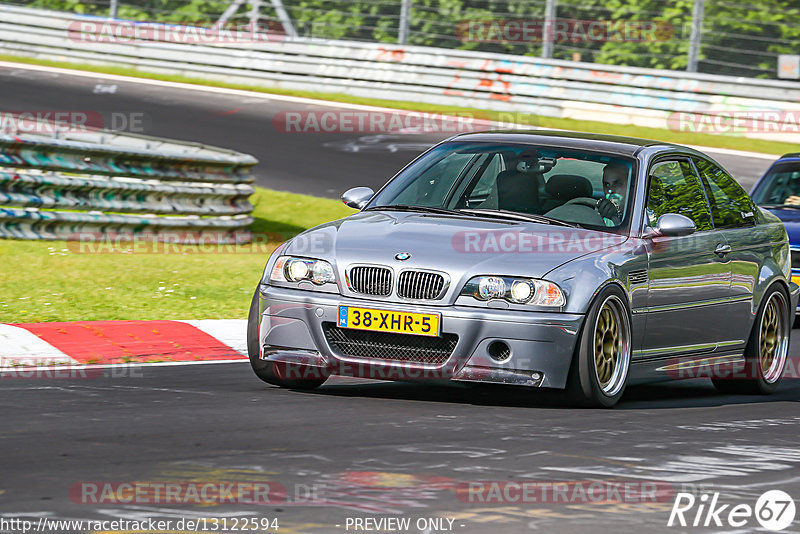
column 617, row 144
column 791, row 155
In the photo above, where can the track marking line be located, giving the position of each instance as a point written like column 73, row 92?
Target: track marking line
column 148, row 388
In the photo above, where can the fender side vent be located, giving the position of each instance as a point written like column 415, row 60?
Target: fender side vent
column 639, row 276
column 795, row 258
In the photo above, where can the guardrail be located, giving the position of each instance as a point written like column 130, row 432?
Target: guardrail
column 99, row 181
column 553, row 88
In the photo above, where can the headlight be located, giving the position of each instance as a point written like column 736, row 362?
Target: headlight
column 516, row 290
column 289, row 269
column 491, row 287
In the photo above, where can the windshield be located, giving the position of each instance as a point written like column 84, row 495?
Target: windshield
column 588, row 189
column 781, row 186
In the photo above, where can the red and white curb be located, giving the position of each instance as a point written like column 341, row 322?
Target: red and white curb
column 122, row 342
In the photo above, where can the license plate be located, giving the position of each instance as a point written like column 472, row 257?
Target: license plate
column 420, row 324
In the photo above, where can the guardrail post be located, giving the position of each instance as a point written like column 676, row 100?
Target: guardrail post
column 229, row 12
column 405, row 16
column 112, row 9
column 548, row 31
column 694, row 38
column 286, row 21
column 255, row 9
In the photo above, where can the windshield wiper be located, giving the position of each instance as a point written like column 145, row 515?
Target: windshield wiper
column 780, row 206
column 505, row 214
column 421, row 209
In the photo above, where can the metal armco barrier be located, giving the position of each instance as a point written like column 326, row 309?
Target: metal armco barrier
column 95, row 181
column 606, row 93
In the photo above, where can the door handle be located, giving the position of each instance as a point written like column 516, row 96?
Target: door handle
column 722, row 249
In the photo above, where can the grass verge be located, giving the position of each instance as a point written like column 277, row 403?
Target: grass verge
column 686, row 138
column 56, row 281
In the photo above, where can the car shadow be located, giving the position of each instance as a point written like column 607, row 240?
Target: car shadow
column 698, row 393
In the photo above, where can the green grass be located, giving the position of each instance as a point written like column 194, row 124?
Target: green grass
column 687, row 138
column 56, row 281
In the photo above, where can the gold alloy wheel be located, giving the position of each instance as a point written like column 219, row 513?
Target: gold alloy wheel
column 606, row 346
column 611, row 346
column 773, row 339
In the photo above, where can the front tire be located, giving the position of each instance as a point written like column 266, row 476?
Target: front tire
column 273, row 372
column 767, row 348
column 602, row 358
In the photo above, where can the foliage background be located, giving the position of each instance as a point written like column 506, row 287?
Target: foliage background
column 738, row 38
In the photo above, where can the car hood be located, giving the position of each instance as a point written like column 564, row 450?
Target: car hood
column 462, row 247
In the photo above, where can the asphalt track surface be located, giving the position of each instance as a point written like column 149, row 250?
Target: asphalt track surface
column 380, row 449
column 322, row 164
column 356, row 449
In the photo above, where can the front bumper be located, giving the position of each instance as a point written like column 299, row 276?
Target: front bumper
column 541, row 344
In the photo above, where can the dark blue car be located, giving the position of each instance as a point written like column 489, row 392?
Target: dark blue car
column 779, row 192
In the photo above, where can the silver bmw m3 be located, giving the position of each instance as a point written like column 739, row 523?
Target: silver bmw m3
column 542, row 259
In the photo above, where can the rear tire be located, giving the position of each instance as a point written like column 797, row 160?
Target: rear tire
column 767, row 348
column 274, row 372
column 602, row 358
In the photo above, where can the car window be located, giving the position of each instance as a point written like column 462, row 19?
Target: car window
column 559, row 183
column 591, row 170
column 479, row 185
column 731, row 207
column 489, row 176
column 780, row 186
column 674, row 188
column 439, row 179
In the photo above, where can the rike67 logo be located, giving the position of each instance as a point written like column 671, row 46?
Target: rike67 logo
column 773, row 510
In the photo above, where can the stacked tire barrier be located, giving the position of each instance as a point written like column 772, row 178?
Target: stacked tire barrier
column 626, row 95
column 101, row 185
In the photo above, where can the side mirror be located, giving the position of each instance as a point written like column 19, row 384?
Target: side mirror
column 357, row 197
column 673, row 225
